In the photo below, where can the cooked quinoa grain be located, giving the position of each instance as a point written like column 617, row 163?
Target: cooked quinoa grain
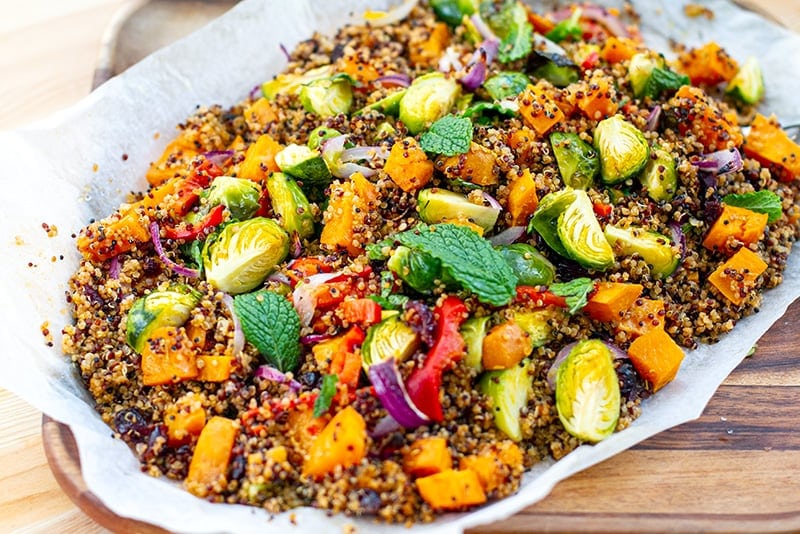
column 235, row 396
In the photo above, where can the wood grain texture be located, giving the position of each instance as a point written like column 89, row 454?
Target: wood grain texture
column 692, row 478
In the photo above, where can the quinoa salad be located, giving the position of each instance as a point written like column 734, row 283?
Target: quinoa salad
column 440, row 247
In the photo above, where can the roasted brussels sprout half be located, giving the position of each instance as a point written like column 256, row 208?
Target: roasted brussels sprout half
column 660, row 177
column 558, row 75
column 319, row 135
column 453, row 11
column 290, row 205
column 581, row 235
column 654, row 248
column 328, row 97
column 545, row 218
column 440, row 205
column 748, row 84
column 508, row 390
column 506, row 84
column 528, row 264
column 240, row 257
column 587, row 392
column 640, row 68
column 303, row 163
column 577, row 160
column 473, row 330
column 622, row 147
column 388, row 105
column 418, row 270
column 166, row 307
column 239, row 195
column 429, row 98
column 291, row 83
column 390, row 338
column 537, row 325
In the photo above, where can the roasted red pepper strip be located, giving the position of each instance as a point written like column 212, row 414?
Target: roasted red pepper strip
column 187, row 191
column 602, row 210
column 193, row 231
column 363, row 311
column 425, row 383
column 542, row 296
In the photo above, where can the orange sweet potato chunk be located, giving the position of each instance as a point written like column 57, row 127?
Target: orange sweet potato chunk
column 212, row 453
column 656, row 357
column 736, row 278
column 427, row 456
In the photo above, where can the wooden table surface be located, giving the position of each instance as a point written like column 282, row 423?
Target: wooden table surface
column 737, row 467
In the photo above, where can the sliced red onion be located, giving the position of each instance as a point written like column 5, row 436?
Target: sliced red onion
column 476, row 74
column 286, row 53
column 255, row 93
column 492, row 201
column 280, row 278
column 311, row 339
column 679, row 238
column 346, row 170
column 114, row 268
column 597, row 14
column 394, row 80
column 155, row 235
column 720, row 162
column 268, row 372
column 389, row 387
column 368, row 153
column 238, row 333
column 486, row 32
column 332, row 151
column 395, row 14
column 552, row 373
column 652, row 119
column 297, row 245
column 508, row 236
column 304, row 296
column 218, row 157
column 384, row 427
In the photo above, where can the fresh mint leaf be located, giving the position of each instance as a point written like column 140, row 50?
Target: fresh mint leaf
column 661, row 80
column 759, row 201
column 507, row 84
column 326, row 393
column 481, row 110
column 576, row 292
column 466, row 258
column 387, row 299
column 271, row 324
column 509, row 21
column 448, row 136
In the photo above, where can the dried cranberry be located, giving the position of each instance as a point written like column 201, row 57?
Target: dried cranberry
column 369, row 502
column 131, row 424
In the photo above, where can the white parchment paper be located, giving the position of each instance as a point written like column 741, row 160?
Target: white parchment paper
column 48, row 175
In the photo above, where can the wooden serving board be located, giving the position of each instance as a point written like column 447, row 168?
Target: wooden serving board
column 736, row 468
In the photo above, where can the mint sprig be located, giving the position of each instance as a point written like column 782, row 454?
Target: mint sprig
column 271, row 324
column 759, row 201
column 323, row 402
column 448, row 136
column 575, row 292
column 466, row 258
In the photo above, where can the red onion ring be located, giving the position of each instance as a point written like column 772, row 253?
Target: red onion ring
column 155, row 235
column 653, row 119
column 508, row 236
column 720, row 162
column 238, row 333
column 385, row 426
column 268, row 372
column 394, row 80
column 114, row 267
column 311, row 339
column 218, row 157
column 390, row 389
column 492, row 201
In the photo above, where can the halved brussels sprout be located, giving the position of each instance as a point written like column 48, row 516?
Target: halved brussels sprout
column 537, row 325
column 390, row 338
column 437, row 205
column 558, row 75
column 654, row 248
column 506, row 84
column 417, row 269
column 328, row 97
column 473, row 330
column 429, row 98
column 508, row 390
column 528, row 264
column 582, row 236
column 321, row 134
column 453, row 11
column 303, row 163
column 640, row 68
column 577, row 160
column 623, row 149
column 748, row 83
column 291, row 83
column 167, row 307
column 290, row 205
column 241, row 256
column 388, row 105
column 587, row 392
column 660, row 177
column 239, row 195
column 545, row 218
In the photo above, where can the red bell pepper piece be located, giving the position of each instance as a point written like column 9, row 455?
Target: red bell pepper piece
column 193, row 231
column 363, row 311
column 591, row 60
column 187, row 191
column 425, row 383
column 301, row 268
column 536, row 295
column 602, row 209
